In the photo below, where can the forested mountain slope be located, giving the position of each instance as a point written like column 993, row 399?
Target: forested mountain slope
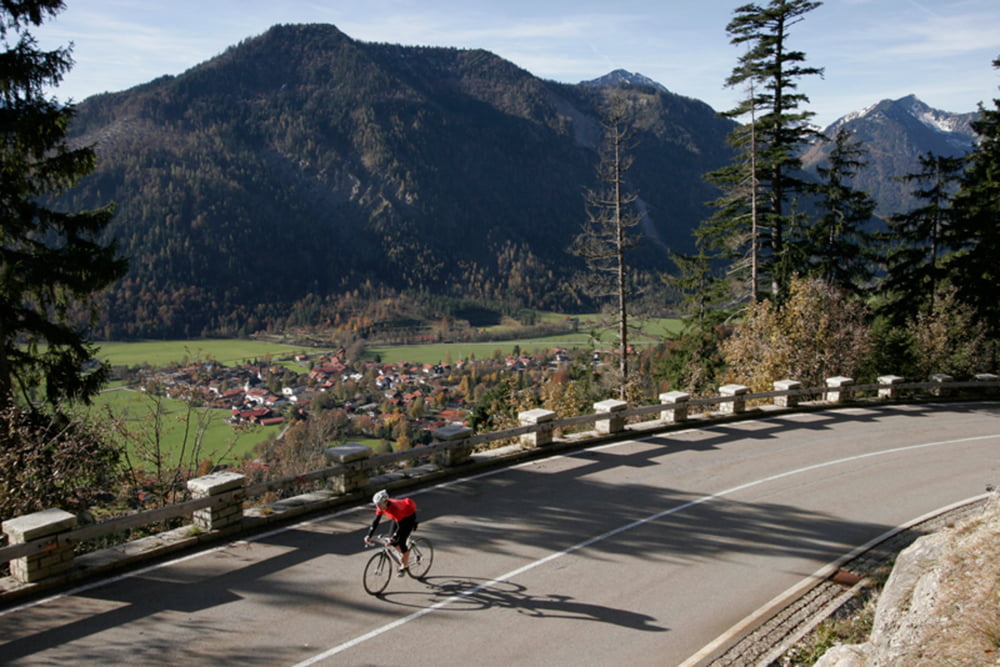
column 302, row 162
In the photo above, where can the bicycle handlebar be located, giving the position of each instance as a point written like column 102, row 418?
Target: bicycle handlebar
column 380, row 540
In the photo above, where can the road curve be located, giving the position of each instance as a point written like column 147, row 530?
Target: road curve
column 640, row 552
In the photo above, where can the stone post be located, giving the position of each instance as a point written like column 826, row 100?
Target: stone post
column 888, row 390
column 940, row 380
column 675, row 408
column 349, row 455
column 458, row 454
column 987, row 377
column 615, row 423
column 51, row 561
column 537, row 417
column 223, row 513
column 838, row 389
column 738, row 404
column 787, row 401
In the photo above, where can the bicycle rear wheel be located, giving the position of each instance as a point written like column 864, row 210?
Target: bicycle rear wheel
column 378, row 571
column 421, row 557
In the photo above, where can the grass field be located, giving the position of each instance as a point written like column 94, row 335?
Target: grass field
column 162, row 353
column 234, row 351
column 652, row 332
column 220, row 441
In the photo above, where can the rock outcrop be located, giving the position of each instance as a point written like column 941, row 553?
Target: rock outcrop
column 940, row 605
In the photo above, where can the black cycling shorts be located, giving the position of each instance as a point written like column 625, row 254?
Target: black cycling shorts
column 404, row 527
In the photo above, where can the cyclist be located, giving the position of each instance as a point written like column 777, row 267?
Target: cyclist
column 404, row 512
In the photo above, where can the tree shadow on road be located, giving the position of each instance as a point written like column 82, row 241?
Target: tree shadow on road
column 216, row 578
column 601, row 503
column 627, row 499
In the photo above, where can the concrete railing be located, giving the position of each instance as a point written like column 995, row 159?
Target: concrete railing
column 42, row 544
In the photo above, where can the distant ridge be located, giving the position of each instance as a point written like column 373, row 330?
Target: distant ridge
column 896, row 132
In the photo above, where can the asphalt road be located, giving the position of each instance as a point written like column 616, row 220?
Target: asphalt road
column 640, row 552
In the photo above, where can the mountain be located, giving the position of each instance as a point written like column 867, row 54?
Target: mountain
column 302, row 163
column 896, row 132
column 623, row 79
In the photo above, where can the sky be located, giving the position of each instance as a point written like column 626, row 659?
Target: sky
column 939, row 50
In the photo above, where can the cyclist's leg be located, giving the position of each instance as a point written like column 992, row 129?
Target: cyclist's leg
column 403, row 530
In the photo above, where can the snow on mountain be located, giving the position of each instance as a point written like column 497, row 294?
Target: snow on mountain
column 956, row 125
column 895, row 133
column 621, row 77
column 941, row 121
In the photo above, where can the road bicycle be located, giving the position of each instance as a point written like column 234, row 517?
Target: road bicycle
column 382, row 565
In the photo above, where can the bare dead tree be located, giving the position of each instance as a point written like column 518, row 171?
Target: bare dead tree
column 611, row 213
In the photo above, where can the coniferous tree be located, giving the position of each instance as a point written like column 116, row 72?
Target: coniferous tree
column 701, row 289
column 777, row 131
column 731, row 234
column 920, row 240
column 51, row 262
column 977, row 221
column 838, row 245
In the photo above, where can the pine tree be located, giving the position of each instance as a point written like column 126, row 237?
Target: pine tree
column 51, row 262
column 762, row 184
column 921, row 239
column 838, row 246
column 977, row 221
column 732, row 233
column 701, row 289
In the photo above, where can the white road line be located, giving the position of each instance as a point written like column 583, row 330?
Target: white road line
column 611, row 533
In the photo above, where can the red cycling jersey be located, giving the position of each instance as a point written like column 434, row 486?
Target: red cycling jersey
column 397, row 510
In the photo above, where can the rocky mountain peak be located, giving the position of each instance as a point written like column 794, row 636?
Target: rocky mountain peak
column 624, row 78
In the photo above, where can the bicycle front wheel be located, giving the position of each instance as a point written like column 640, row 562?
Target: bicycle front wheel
column 421, row 557
column 378, row 571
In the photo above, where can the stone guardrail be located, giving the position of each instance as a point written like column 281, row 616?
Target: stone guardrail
column 43, row 545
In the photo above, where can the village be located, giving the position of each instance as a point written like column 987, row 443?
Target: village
column 371, row 393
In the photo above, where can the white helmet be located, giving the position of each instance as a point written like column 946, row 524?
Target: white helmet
column 380, row 497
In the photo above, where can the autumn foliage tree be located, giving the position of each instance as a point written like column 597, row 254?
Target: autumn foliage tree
column 47, row 462
column 952, row 339
column 817, row 333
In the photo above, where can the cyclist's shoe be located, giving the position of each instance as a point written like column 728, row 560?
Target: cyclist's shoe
column 402, row 572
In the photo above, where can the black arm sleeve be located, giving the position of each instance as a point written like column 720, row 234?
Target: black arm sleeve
column 371, row 531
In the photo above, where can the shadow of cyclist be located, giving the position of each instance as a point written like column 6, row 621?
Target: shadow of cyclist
column 467, row 594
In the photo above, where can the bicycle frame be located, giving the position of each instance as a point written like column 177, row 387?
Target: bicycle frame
column 379, row 569
column 386, row 547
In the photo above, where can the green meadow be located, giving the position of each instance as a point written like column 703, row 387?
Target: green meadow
column 162, row 353
column 178, row 429
column 652, row 331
